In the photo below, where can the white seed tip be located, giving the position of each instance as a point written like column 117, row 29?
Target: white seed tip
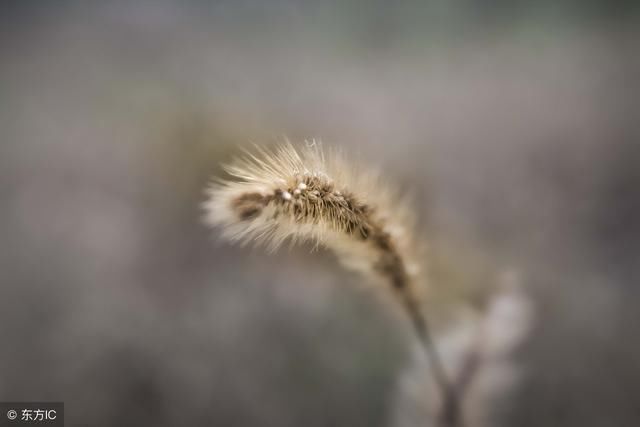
column 286, row 195
column 302, row 186
column 296, row 191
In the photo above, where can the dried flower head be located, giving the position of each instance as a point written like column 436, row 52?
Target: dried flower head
column 309, row 196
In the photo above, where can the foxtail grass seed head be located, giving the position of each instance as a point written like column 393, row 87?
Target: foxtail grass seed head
column 309, row 195
column 301, row 195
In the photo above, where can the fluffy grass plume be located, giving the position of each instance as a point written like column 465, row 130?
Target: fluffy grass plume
column 308, row 195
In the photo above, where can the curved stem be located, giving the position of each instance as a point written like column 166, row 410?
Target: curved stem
column 449, row 415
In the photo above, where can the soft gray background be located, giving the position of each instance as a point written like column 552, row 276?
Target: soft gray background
column 515, row 125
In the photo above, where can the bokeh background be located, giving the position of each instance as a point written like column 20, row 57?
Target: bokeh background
column 514, row 124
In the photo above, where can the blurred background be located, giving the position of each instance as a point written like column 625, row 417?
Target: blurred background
column 514, row 124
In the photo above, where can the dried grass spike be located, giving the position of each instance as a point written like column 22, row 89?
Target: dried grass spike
column 307, row 195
